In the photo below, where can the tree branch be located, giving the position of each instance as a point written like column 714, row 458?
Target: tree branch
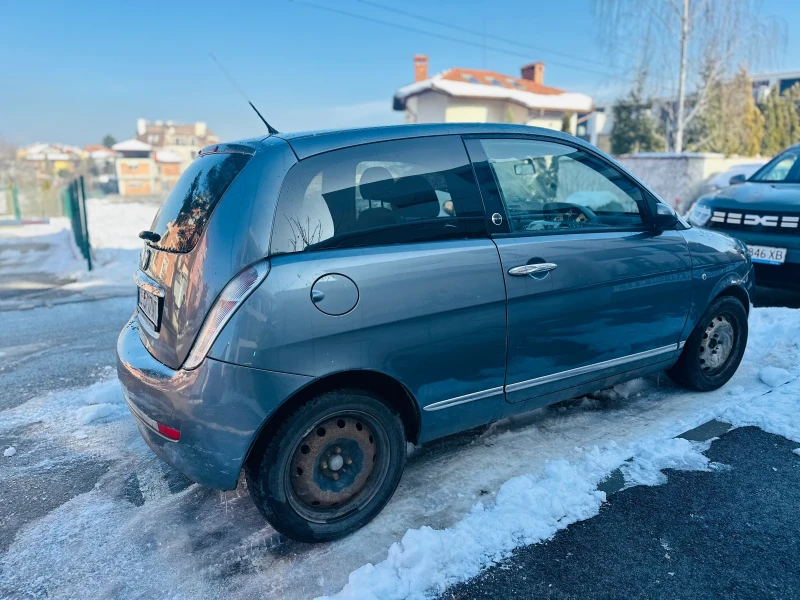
column 661, row 18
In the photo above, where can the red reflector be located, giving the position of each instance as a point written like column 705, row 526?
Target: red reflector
column 169, row 432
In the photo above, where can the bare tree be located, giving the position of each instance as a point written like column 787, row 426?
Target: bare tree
column 680, row 38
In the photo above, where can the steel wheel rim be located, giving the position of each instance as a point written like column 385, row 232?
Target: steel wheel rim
column 717, row 344
column 337, row 466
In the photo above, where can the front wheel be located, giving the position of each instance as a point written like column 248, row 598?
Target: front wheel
column 331, row 466
column 715, row 348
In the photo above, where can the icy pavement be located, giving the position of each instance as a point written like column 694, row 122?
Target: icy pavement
column 41, row 265
column 135, row 528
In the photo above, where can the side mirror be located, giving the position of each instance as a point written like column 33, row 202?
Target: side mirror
column 737, row 179
column 663, row 217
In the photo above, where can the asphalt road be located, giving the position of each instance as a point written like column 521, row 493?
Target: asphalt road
column 729, row 533
column 46, row 349
column 58, row 347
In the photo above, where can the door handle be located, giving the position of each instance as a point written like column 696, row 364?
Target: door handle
column 523, row 270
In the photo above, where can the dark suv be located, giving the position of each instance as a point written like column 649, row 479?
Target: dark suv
column 310, row 303
column 763, row 212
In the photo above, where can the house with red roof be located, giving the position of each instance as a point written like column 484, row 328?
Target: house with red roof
column 461, row 95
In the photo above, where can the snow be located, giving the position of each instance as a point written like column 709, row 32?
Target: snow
column 563, row 101
column 774, row 376
column 131, row 145
column 463, row 503
column 10, row 451
column 527, row 509
column 50, row 247
column 722, row 180
column 796, row 451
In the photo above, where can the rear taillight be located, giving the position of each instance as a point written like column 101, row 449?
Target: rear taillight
column 168, row 432
column 236, row 292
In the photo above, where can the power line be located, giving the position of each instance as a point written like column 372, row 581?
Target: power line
column 411, row 15
column 450, row 38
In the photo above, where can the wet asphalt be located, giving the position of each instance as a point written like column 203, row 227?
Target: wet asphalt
column 730, row 533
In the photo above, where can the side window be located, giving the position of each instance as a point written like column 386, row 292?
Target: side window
column 382, row 193
column 550, row 186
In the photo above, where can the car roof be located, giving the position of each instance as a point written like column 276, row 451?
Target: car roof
column 309, row 143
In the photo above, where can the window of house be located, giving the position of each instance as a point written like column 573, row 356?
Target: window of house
column 383, row 193
column 548, row 186
column 494, row 81
column 469, row 78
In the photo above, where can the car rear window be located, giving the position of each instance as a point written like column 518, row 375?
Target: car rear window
column 185, row 212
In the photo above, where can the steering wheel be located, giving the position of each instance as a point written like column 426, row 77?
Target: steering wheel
column 569, row 209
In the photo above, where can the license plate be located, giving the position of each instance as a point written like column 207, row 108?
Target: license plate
column 768, row 255
column 150, row 305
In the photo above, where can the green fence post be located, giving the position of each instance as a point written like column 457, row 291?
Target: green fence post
column 15, row 202
column 85, row 225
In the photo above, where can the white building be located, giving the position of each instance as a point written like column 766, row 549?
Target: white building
column 764, row 82
column 480, row 96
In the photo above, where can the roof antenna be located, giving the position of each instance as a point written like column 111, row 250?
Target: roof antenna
column 238, row 88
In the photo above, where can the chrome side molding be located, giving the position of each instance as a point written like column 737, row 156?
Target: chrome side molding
column 465, row 398
column 521, row 385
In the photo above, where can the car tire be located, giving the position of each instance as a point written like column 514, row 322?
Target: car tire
column 715, row 347
column 331, row 466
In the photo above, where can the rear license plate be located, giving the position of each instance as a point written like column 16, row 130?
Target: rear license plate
column 150, row 305
column 768, row 255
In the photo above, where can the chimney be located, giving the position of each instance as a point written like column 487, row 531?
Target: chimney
column 420, row 67
column 141, row 126
column 534, row 72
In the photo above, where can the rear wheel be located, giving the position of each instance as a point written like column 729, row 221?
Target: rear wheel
column 715, row 348
column 331, row 466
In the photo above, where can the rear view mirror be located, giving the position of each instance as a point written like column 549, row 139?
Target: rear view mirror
column 524, row 168
column 736, row 179
column 664, row 217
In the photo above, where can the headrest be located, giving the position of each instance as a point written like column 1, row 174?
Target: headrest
column 415, row 198
column 377, row 184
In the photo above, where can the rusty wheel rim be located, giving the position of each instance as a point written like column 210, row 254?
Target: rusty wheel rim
column 337, row 466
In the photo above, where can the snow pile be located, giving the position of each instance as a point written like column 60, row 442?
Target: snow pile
column 10, row 451
column 528, row 509
column 774, row 376
column 651, row 457
column 50, row 247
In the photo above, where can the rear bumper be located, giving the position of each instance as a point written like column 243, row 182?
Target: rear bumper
column 218, row 408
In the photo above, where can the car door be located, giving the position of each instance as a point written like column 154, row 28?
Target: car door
column 592, row 290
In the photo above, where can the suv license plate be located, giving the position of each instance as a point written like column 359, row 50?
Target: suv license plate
column 150, row 305
column 768, row 255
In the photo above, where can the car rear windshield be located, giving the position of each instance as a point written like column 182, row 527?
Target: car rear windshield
column 185, row 212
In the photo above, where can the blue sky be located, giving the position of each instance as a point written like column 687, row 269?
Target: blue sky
column 72, row 72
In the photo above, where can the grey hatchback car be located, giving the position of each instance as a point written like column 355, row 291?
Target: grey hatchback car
column 309, row 303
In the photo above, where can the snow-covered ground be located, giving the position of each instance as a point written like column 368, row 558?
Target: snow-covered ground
column 463, row 503
column 49, row 248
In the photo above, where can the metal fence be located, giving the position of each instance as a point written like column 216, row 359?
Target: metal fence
column 9, row 204
column 74, row 202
